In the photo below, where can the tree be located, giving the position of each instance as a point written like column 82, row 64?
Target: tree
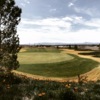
column 10, row 16
column 98, row 51
column 69, row 46
column 75, row 47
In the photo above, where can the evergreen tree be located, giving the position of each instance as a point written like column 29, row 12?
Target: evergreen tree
column 75, row 47
column 10, row 16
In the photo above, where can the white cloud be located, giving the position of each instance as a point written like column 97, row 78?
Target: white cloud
column 89, row 11
column 70, row 4
column 33, row 36
column 58, row 30
column 83, row 10
column 49, row 22
column 67, row 19
column 95, row 22
column 23, row 4
column 78, row 20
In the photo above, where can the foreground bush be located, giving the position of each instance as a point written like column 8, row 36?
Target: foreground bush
column 14, row 87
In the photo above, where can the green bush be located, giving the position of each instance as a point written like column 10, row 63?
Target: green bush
column 15, row 87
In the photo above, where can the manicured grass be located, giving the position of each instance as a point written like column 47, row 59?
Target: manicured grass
column 61, row 69
column 44, row 57
column 54, row 64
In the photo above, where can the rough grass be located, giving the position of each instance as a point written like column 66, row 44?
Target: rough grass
column 40, row 49
column 52, row 64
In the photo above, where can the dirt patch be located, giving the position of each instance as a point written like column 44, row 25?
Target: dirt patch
column 22, row 50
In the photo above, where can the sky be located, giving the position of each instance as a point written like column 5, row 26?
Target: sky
column 59, row 21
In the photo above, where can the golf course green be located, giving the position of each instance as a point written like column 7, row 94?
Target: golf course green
column 38, row 58
column 53, row 62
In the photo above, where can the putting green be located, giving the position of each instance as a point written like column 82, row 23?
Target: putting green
column 51, row 62
column 38, row 58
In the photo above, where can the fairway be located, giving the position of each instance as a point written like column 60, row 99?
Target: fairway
column 53, row 64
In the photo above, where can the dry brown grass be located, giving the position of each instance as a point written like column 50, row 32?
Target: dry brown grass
column 22, row 50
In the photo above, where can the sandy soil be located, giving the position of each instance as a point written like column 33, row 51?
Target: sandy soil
column 22, row 50
column 92, row 75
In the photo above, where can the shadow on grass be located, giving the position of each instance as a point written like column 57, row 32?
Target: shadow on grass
column 92, row 53
column 84, row 50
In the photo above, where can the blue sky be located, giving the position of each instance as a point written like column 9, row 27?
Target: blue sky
column 59, row 21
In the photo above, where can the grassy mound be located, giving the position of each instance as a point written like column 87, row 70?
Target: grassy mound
column 59, row 64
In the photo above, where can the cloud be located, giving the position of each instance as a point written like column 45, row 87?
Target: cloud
column 34, row 36
column 64, row 23
column 76, row 22
column 67, row 19
column 94, row 22
column 48, row 22
column 91, row 11
column 23, row 4
column 84, row 10
column 59, row 30
column 70, row 4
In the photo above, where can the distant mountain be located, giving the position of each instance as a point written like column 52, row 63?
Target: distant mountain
column 48, row 43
